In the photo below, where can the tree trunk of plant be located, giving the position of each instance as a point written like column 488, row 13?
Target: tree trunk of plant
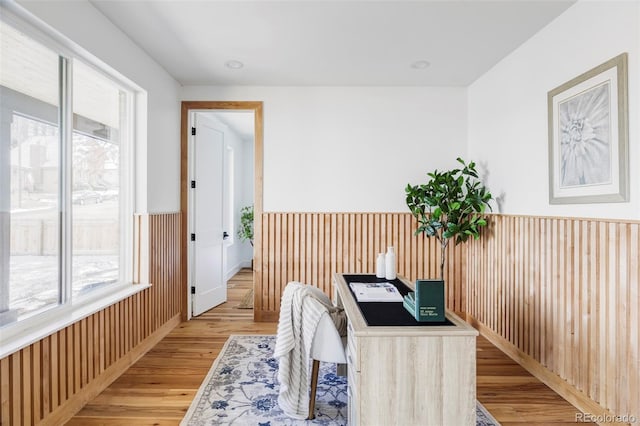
column 443, row 253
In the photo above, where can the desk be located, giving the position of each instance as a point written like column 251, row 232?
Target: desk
column 424, row 375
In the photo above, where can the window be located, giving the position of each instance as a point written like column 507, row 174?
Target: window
column 100, row 114
column 65, row 143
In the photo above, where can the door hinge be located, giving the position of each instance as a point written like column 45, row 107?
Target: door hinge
column 193, row 184
column 193, row 289
column 193, row 131
column 193, row 237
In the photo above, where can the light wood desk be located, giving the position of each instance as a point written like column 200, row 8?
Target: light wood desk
column 422, row 375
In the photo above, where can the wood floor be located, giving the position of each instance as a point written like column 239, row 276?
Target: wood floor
column 159, row 388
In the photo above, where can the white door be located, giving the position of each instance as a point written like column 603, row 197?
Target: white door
column 207, row 252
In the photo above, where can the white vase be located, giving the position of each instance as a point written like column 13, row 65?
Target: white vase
column 380, row 268
column 390, row 264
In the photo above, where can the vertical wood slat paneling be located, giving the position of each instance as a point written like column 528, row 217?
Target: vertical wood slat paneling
column 311, row 247
column 39, row 379
column 5, row 392
column 565, row 292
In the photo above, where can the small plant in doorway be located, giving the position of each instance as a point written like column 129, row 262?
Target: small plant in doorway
column 245, row 233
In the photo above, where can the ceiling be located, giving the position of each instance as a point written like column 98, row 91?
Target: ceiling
column 336, row 43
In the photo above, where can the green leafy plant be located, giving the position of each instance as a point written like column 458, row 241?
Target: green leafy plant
column 246, row 224
column 450, row 205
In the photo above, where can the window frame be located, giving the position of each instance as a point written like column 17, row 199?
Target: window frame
column 21, row 333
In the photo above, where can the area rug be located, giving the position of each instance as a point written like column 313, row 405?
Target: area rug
column 242, row 389
column 247, row 301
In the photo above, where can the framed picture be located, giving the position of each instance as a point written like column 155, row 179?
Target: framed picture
column 588, row 137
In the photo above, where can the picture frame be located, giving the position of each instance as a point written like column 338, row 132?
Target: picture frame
column 588, row 121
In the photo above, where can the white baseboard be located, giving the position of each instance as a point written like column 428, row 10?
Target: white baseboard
column 231, row 272
column 235, row 269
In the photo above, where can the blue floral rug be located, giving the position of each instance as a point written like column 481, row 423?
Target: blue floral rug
column 242, row 389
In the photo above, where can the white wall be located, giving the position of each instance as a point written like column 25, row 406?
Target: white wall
column 508, row 106
column 247, row 192
column 248, row 175
column 159, row 174
column 350, row 148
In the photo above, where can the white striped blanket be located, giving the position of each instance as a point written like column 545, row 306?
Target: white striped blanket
column 293, row 344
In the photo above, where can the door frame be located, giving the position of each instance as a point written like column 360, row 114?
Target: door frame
column 187, row 107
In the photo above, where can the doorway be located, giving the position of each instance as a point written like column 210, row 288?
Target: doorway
column 189, row 108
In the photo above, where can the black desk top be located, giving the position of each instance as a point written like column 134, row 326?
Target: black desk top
column 387, row 313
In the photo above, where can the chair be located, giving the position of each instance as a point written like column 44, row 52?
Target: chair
column 327, row 346
column 306, row 330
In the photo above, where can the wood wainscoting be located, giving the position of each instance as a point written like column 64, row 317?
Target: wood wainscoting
column 50, row 380
column 559, row 295
column 562, row 293
column 311, row 247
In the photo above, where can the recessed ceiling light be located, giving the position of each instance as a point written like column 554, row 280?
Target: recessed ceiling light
column 420, row 65
column 234, row 65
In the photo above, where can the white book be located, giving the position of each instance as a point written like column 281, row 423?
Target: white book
column 376, row 292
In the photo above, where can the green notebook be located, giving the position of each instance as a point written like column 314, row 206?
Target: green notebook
column 429, row 301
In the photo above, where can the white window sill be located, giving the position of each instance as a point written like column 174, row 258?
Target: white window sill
column 23, row 333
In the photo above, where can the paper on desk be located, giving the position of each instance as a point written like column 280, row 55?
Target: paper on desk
column 376, row 292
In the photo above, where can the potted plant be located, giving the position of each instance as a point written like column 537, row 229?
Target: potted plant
column 451, row 205
column 245, row 233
